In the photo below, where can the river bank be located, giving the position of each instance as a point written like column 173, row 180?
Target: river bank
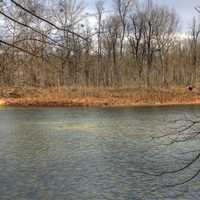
column 101, row 97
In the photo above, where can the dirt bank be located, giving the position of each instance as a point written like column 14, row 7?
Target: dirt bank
column 101, row 97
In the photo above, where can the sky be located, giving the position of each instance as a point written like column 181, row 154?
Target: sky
column 184, row 8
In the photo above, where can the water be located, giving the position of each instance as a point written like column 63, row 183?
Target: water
column 94, row 153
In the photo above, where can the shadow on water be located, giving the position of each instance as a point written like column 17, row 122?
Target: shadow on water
column 93, row 153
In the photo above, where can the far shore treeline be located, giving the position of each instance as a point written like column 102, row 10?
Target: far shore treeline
column 58, row 43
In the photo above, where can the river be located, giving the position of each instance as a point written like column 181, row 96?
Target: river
column 94, row 153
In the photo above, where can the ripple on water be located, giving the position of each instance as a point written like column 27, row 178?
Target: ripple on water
column 63, row 153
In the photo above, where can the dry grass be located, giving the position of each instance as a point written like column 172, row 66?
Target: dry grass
column 98, row 97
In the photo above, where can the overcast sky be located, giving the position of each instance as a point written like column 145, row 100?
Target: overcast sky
column 185, row 9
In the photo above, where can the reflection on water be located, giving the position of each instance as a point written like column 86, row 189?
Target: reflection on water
column 77, row 153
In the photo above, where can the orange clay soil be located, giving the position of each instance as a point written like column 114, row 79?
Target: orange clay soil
column 101, row 97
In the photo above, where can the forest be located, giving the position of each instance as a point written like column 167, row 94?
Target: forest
column 56, row 44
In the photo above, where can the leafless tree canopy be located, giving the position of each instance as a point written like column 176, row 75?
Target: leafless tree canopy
column 57, row 43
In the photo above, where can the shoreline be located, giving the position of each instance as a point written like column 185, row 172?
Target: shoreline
column 92, row 97
column 88, row 103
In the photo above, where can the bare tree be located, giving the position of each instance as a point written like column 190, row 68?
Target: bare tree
column 68, row 14
column 112, row 27
column 100, row 9
column 134, row 45
column 122, row 7
column 195, row 36
column 136, row 30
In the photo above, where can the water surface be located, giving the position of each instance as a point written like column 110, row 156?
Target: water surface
column 93, row 153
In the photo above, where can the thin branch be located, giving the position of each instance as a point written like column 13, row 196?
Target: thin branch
column 19, row 48
column 173, row 171
column 56, row 43
column 47, row 21
column 186, row 181
column 27, row 26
